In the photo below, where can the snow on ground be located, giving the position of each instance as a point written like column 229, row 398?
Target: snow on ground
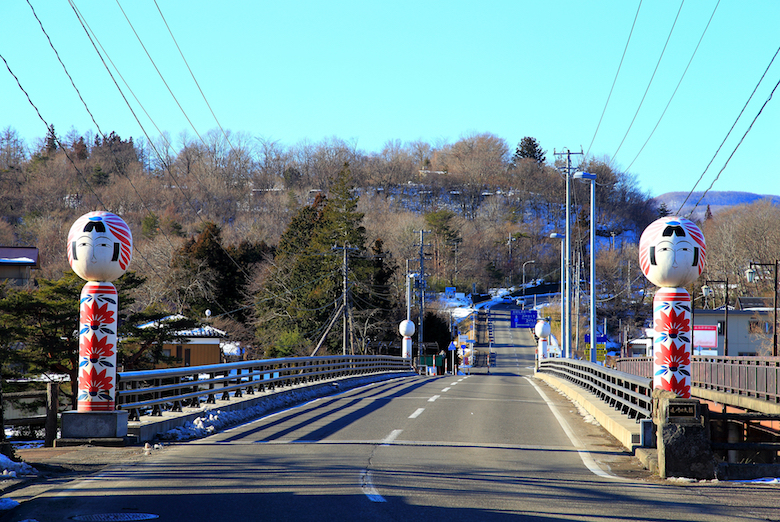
column 7, row 503
column 13, row 469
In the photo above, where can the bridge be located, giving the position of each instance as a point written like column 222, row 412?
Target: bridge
column 498, row 446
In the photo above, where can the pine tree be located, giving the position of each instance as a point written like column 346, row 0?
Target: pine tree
column 51, row 140
column 529, row 148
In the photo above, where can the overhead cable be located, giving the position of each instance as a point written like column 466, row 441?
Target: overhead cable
column 675, row 89
column 617, row 73
column 651, row 81
column 730, row 130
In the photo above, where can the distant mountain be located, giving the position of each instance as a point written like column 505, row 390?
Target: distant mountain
column 717, row 201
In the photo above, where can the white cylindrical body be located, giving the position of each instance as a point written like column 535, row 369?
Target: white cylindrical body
column 97, row 347
column 406, row 348
column 673, row 341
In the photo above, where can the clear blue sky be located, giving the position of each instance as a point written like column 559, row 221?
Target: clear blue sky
column 370, row 72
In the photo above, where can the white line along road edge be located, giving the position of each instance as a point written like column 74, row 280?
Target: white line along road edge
column 584, row 455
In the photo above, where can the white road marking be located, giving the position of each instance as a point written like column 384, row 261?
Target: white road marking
column 367, row 485
column 390, row 438
column 446, row 389
column 433, row 399
column 584, row 455
column 417, row 413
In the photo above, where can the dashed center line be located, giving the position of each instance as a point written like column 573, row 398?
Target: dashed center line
column 417, row 413
column 446, row 389
column 433, row 399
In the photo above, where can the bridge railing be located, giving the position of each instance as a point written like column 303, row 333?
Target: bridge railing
column 630, row 394
column 152, row 391
column 756, row 377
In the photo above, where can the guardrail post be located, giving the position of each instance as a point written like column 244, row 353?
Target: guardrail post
column 177, row 403
column 156, row 411
column 194, row 402
column 238, row 381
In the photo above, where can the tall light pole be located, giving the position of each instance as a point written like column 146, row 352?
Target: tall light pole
column 592, row 179
column 524, row 274
column 751, row 276
column 564, row 301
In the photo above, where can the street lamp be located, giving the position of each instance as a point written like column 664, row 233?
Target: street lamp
column 524, row 276
column 564, row 300
column 707, row 291
column 750, row 274
column 592, row 178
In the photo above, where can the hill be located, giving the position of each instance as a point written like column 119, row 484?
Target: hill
column 717, row 201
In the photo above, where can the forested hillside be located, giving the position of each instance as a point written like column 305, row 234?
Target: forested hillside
column 221, row 222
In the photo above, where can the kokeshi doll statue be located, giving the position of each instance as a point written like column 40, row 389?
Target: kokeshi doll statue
column 671, row 255
column 100, row 247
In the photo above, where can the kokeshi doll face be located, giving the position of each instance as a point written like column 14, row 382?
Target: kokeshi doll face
column 672, row 252
column 100, row 246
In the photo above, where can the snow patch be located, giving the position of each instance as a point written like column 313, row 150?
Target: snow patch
column 13, row 469
column 7, row 503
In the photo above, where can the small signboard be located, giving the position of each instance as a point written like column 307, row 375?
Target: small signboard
column 524, row 318
column 705, row 336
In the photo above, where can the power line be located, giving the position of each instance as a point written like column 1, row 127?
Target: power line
column 735, row 148
column 193, row 75
column 625, row 49
column 744, row 107
column 675, row 89
column 650, row 82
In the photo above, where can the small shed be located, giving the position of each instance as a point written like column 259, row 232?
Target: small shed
column 17, row 263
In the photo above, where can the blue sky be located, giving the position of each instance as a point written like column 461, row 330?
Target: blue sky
column 369, row 72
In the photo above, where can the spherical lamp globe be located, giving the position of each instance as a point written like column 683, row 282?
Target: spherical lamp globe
column 542, row 329
column 406, row 328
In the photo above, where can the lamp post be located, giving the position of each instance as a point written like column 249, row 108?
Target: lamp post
column 751, row 277
column 524, row 276
column 707, row 291
column 564, row 300
column 592, row 178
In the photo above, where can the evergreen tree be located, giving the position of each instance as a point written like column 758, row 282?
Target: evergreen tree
column 304, row 287
column 529, row 148
column 51, row 140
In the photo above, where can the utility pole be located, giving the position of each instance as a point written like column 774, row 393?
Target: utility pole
column 567, row 313
column 347, row 342
column 422, row 284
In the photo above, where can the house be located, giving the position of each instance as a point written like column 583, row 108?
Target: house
column 17, row 263
column 198, row 347
column 745, row 335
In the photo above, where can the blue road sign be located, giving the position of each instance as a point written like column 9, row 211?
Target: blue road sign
column 524, row 318
column 599, row 338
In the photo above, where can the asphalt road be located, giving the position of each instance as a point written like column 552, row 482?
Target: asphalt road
column 476, row 447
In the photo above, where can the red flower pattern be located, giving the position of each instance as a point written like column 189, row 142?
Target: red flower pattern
column 673, row 324
column 93, row 382
column 93, row 348
column 672, row 357
column 679, row 387
column 95, row 315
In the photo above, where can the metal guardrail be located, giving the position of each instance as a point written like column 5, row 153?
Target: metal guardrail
column 756, row 377
column 630, row 394
column 152, row 391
